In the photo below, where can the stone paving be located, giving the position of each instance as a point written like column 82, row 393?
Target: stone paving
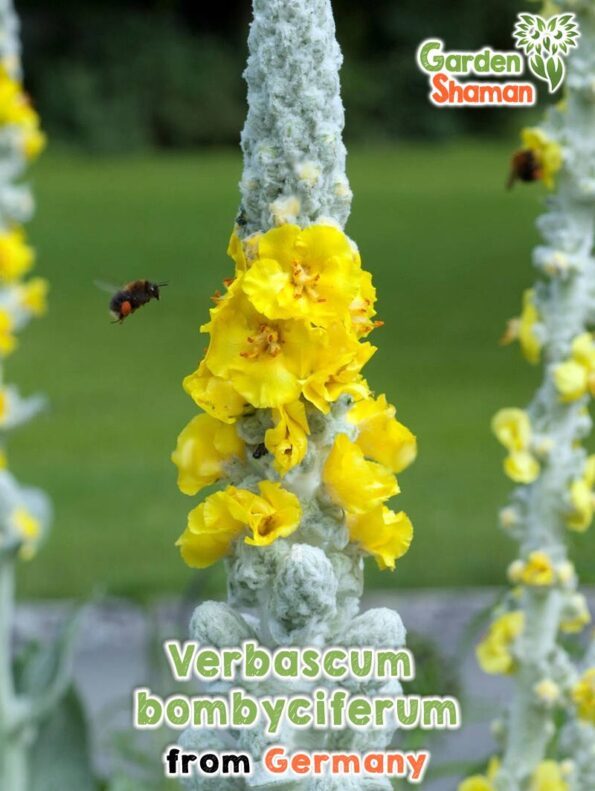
column 116, row 637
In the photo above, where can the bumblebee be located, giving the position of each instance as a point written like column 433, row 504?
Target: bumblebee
column 524, row 166
column 133, row 296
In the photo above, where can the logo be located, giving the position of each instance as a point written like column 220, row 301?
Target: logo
column 544, row 42
column 543, row 45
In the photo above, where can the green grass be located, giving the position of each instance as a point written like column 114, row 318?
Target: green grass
column 450, row 251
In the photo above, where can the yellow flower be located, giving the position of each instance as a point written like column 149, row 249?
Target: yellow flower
column 383, row 533
column 312, row 274
column 538, row 570
column 512, row 428
column 243, row 252
column 336, row 368
column 576, row 616
column 28, row 529
column 12, row 101
column 547, row 691
column 521, row 467
column 380, row 436
column 26, row 525
column 16, row 257
column 494, row 652
column 548, row 777
column 482, row 782
column 214, row 395
column 523, row 329
column 224, row 516
column 276, row 513
column 33, row 295
column 582, row 499
column 210, row 531
column 576, row 377
column 4, row 402
column 7, row 340
column 263, row 359
column 362, row 308
column 34, row 141
column 547, row 152
column 288, row 440
column 235, row 251
column 354, row 483
column 203, row 449
column 583, row 695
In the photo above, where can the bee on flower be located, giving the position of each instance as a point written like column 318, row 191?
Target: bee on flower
column 539, row 159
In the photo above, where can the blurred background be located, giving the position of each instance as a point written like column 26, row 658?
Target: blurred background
column 143, row 103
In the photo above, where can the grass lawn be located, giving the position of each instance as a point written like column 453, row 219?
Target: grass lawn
column 450, row 251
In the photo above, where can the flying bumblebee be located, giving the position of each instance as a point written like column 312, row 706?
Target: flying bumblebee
column 131, row 297
column 524, row 166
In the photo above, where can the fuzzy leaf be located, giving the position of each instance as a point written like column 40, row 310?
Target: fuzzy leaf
column 60, row 757
column 41, row 666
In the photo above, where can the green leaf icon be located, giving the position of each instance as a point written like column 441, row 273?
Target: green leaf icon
column 555, row 70
column 537, row 65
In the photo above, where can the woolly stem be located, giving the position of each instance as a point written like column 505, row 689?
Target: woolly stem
column 294, row 157
column 566, row 309
column 13, row 750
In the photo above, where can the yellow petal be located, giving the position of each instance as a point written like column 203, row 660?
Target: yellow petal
column 571, row 380
column 354, row 483
column 522, row 467
column 203, row 448
column 215, row 395
column 383, row 533
column 288, row 440
column 494, row 652
column 581, row 497
column 512, row 428
column 381, row 436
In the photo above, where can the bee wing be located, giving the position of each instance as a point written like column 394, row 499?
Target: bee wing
column 110, row 288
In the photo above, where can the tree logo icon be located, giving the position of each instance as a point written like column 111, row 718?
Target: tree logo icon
column 546, row 42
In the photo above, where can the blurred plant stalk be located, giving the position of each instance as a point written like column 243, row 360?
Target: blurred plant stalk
column 24, row 512
column 547, row 738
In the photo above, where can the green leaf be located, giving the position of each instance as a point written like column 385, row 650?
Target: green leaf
column 60, row 756
column 540, row 23
column 555, row 72
column 528, row 19
column 38, row 665
column 537, row 65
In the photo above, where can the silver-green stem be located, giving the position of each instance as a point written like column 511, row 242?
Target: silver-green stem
column 294, row 156
column 566, row 307
column 13, row 751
